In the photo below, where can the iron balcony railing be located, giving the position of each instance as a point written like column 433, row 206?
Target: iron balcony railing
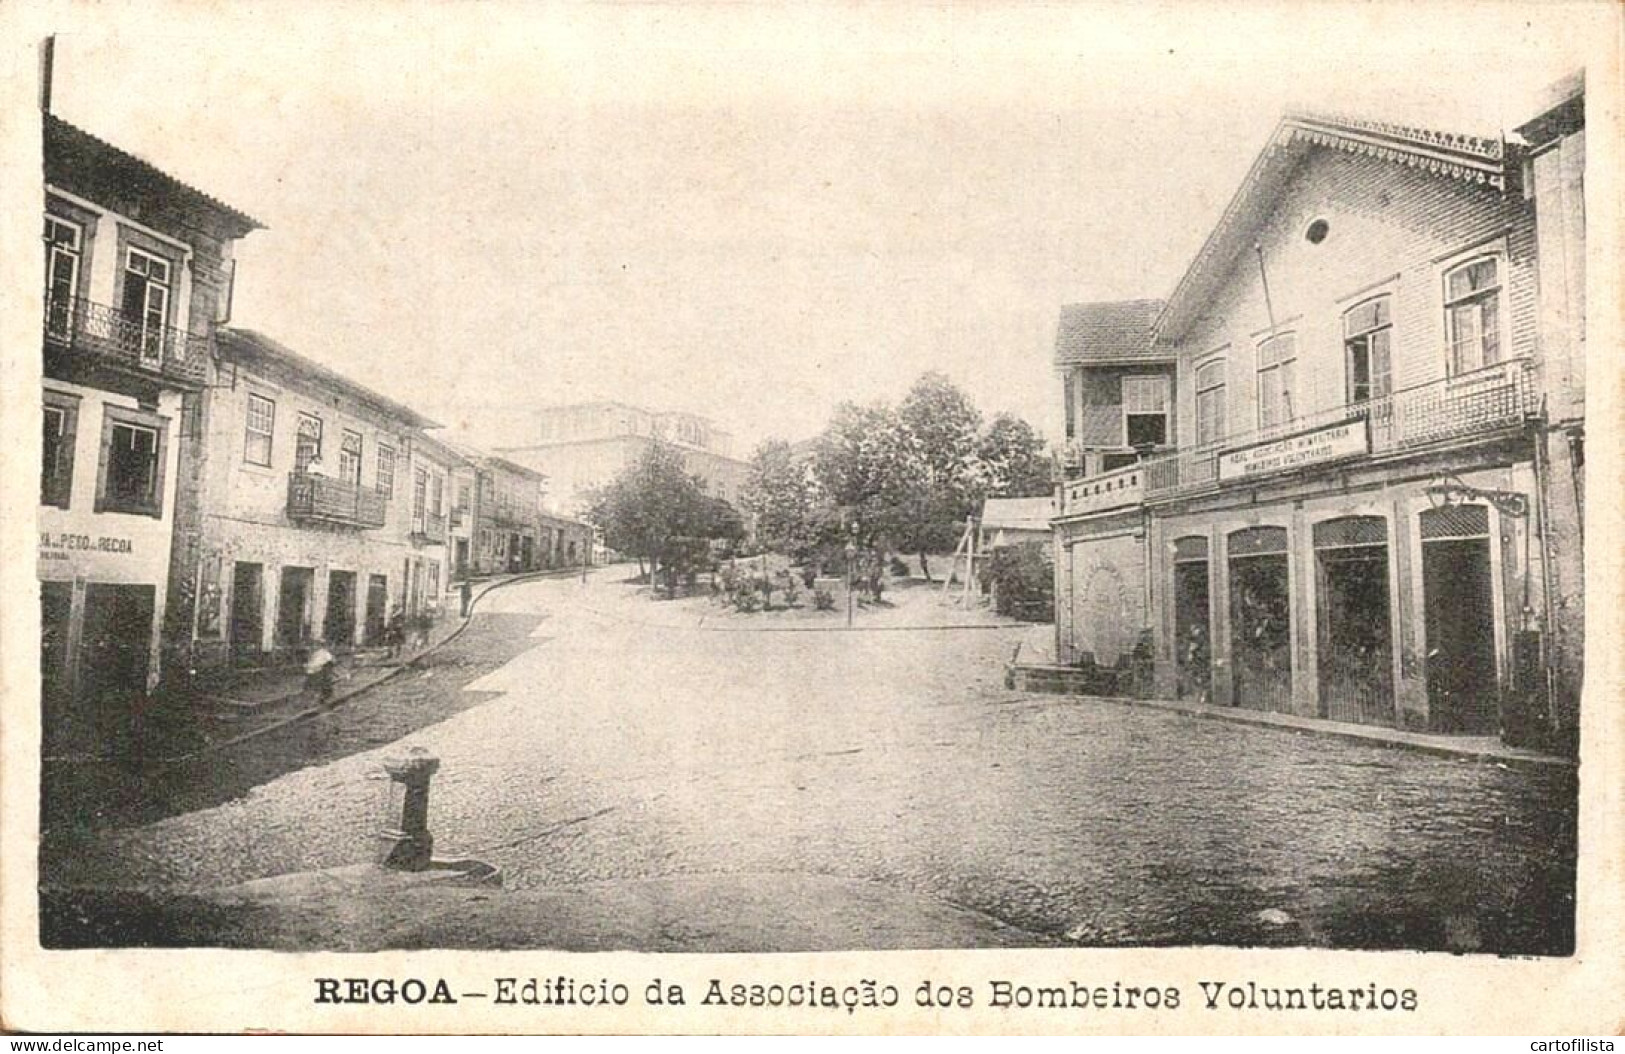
column 126, row 341
column 430, row 527
column 508, row 516
column 333, row 502
column 1452, row 410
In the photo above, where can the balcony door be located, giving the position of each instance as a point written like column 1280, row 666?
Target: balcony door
column 62, row 254
column 308, row 443
column 146, row 303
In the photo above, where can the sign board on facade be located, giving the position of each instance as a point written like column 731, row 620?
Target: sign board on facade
column 55, row 545
column 1347, row 439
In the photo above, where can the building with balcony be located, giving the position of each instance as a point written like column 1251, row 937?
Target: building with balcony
column 318, row 513
column 507, row 517
column 137, row 273
column 1117, row 385
column 580, row 448
column 1354, row 523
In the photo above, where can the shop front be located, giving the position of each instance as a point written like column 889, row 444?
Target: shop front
column 1389, row 600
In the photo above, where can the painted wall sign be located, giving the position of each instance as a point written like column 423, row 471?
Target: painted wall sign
column 56, row 545
column 1323, row 444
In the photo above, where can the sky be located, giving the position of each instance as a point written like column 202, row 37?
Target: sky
column 749, row 211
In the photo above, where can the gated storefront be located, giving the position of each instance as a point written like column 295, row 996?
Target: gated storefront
column 1399, row 603
column 1193, row 626
column 1355, row 640
column 1260, row 618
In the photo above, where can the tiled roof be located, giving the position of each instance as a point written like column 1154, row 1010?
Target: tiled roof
column 1111, row 331
column 66, row 145
column 1022, row 514
column 248, row 347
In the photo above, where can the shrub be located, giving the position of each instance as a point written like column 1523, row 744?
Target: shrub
column 792, row 591
column 823, row 599
column 898, row 567
column 1022, row 581
column 745, row 600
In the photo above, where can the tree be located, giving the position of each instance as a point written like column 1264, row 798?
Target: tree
column 868, row 470
column 1013, row 461
column 778, row 494
column 944, row 425
column 654, row 510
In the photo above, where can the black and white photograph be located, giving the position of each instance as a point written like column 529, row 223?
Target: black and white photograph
column 756, row 479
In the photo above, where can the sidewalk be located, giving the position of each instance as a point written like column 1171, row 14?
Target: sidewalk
column 1040, row 678
column 225, row 707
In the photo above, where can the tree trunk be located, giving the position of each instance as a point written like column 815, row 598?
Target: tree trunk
column 925, row 565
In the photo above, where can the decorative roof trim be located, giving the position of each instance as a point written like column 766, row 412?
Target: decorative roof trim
column 1452, row 142
column 1472, row 159
column 1483, row 162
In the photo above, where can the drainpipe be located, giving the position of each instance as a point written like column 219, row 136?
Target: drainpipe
column 1542, row 477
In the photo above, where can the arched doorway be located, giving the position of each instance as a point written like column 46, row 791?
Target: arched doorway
column 1459, row 603
column 1193, row 629
column 1356, row 651
column 1261, row 618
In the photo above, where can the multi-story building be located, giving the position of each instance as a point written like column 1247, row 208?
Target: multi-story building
column 1554, row 176
column 507, row 517
column 1117, row 385
column 138, row 270
column 1355, row 524
column 582, row 447
column 497, row 522
column 461, row 473
column 316, row 513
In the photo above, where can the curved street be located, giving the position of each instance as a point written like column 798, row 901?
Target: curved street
column 589, row 737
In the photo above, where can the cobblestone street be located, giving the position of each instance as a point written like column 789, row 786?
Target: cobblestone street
column 583, row 743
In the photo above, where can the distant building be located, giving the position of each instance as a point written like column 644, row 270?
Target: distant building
column 1012, row 521
column 138, row 271
column 507, row 517
column 582, row 447
column 1371, row 514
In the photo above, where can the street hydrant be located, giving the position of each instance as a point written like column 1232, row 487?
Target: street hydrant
column 405, row 841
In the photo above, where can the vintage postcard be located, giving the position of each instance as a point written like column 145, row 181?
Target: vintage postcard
column 841, row 518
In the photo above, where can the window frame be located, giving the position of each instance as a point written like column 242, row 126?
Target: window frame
column 420, row 497
column 1166, row 384
column 150, row 341
column 113, row 418
column 1496, row 295
column 56, row 489
column 1279, row 367
column 384, row 481
column 299, row 435
column 353, row 475
column 249, row 432
column 1221, row 364
column 75, row 254
column 1366, row 335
